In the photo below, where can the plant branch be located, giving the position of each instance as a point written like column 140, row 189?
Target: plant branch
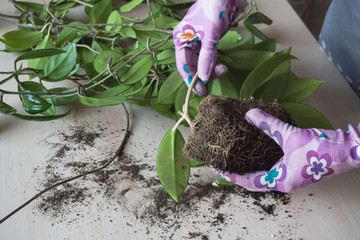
column 116, row 155
column 3, row 92
column 150, row 12
column 185, row 114
column 83, row 3
column 132, row 57
column 133, row 24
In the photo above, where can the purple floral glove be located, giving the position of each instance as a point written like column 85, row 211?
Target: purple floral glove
column 309, row 155
column 196, row 38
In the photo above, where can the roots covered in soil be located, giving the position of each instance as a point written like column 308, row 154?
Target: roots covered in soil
column 223, row 139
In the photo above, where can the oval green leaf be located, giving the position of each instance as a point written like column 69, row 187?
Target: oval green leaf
column 103, row 101
column 39, row 53
column 261, row 74
column 59, row 66
column 306, row 116
column 114, row 18
column 172, row 167
column 246, row 59
column 6, row 109
column 101, row 11
column 62, row 100
column 169, row 88
column 138, row 71
column 130, row 5
column 21, row 39
column 300, row 89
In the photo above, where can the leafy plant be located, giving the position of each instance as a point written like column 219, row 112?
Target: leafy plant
column 112, row 59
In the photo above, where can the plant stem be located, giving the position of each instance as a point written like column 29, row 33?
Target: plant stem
column 155, row 45
column 116, row 155
column 185, row 115
column 83, row 3
column 3, row 92
column 151, row 13
column 134, row 24
column 86, row 46
column 187, row 99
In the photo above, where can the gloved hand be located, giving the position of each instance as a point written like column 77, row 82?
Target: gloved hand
column 309, row 155
column 196, row 38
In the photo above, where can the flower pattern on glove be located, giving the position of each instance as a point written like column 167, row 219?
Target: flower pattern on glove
column 318, row 167
column 271, row 178
column 188, row 35
column 276, row 136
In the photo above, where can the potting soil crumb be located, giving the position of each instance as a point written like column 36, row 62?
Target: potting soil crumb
column 129, row 192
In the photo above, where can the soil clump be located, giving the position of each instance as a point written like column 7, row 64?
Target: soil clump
column 223, row 139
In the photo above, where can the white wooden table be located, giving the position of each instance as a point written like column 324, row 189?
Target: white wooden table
column 128, row 208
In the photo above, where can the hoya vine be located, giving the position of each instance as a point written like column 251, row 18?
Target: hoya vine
column 111, row 59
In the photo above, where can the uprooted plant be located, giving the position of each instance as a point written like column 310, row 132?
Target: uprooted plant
column 114, row 59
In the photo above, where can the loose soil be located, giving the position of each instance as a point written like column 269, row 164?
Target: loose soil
column 130, row 188
column 223, row 139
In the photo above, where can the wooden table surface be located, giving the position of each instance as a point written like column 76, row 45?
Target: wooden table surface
column 126, row 202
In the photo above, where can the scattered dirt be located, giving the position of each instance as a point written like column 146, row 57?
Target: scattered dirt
column 130, row 188
column 222, row 138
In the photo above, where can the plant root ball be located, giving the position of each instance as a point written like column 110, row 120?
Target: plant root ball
column 223, row 139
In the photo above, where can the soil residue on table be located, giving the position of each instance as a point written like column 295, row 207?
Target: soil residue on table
column 223, row 139
column 129, row 186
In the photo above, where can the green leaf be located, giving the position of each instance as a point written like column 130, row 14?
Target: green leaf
column 11, row 76
column 145, row 92
column 130, row 5
column 71, row 34
column 142, row 36
column 164, row 109
column 180, row 99
column 222, row 87
column 21, row 39
column 193, row 104
column 169, row 88
column 163, row 21
column 179, row 6
column 276, row 84
column 260, row 75
column 138, row 71
column 246, row 59
column 103, row 101
column 267, row 45
column 254, row 30
column 300, row 89
column 166, row 57
column 6, row 109
column 41, row 118
column 63, row 5
column 195, row 163
column 223, row 182
column 59, row 66
column 39, row 63
column 39, row 53
column 229, row 39
column 114, row 18
column 114, row 91
column 246, row 44
column 34, row 7
column 101, row 60
column 258, row 17
column 34, row 104
column 62, row 100
column 306, row 116
column 85, row 56
column 101, row 11
column 172, row 167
